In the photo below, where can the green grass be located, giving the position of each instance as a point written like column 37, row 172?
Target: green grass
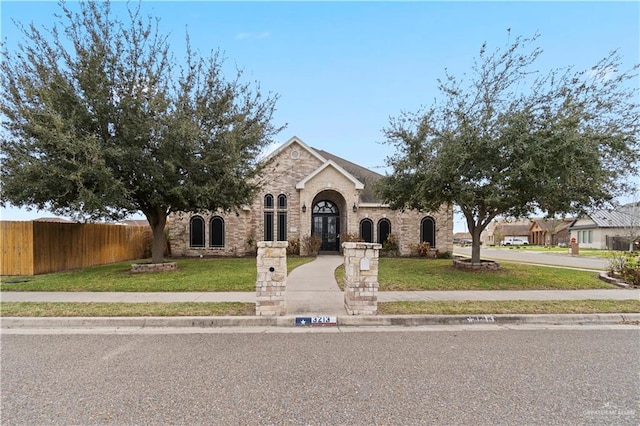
column 509, row 307
column 401, row 274
column 211, row 274
column 38, row 309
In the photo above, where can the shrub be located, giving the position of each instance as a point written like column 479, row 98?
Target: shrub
column 311, row 244
column 626, row 266
column 444, row 255
column 293, row 249
column 390, row 246
column 350, row 238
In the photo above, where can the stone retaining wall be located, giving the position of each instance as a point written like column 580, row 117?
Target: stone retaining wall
column 139, row 268
column 484, row 265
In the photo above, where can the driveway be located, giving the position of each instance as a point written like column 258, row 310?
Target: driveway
column 537, row 257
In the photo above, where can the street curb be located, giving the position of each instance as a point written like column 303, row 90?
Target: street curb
column 342, row 321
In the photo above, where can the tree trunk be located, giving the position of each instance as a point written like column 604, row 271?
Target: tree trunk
column 157, row 221
column 475, row 244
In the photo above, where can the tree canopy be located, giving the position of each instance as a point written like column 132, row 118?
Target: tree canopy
column 508, row 140
column 100, row 121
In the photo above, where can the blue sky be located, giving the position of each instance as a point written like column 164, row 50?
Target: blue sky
column 343, row 68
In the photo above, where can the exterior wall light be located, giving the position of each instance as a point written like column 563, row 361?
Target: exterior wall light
column 304, row 208
column 355, row 208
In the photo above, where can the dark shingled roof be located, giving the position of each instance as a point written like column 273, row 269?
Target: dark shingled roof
column 366, row 176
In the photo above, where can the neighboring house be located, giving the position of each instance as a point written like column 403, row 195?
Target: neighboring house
column 500, row 228
column 307, row 191
column 549, row 232
column 610, row 229
column 462, row 238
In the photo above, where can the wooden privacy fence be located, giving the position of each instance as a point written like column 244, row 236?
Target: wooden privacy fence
column 31, row 248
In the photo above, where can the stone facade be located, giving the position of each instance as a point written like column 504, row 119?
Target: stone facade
column 304, row 177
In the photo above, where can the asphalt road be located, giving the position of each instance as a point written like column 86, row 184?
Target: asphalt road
column 448, row 377
column 539, row 257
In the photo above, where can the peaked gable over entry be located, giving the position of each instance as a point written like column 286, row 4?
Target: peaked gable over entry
column 307, row 191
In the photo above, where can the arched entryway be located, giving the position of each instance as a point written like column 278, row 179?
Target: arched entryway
column 325, row 224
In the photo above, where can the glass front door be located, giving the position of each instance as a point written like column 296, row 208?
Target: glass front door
column 326, row 225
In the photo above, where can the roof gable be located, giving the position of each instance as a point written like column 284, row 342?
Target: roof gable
column 295, row 140
column 330, row 163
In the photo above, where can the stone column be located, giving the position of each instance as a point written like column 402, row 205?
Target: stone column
column 271, row 281
column 361, row 278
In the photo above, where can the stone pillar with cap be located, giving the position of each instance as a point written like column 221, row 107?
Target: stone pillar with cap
column 271, row 281
column 361, row 277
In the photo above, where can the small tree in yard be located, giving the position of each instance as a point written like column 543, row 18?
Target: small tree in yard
column 99, row 122
column 508, row 143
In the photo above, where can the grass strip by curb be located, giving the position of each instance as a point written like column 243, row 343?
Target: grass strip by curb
column 54, row 309
column 510, row 307
column 50, row 309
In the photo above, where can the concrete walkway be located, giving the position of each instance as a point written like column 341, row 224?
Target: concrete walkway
column 312, row 288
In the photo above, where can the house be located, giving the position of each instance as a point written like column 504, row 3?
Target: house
column 462, row 238
column 549, row 232
column 501, row 228
column 607, row 229
column 307, row 191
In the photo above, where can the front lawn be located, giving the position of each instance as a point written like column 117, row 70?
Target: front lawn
column 64, row 309
column 402, row 274
column 215, row 274
column 509, row 307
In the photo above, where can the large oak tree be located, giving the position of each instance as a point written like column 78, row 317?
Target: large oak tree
column 100, row 121
column 507, row 140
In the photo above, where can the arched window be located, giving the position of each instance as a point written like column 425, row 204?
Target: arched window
column 282, row 202
column 428, row 231
column 196, row 232
column 268, row 202
column 366, row 230
column 384, row 229
column 216, row 232
column 282, row 217
column 268, row 217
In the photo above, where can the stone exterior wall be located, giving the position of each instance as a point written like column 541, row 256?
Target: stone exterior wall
column 406, row 226
column 296, row 165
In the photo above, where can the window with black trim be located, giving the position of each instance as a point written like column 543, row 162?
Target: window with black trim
column 384, row 229
column 366, row 230
column 282, row 217
column 268, row 217
column 428, row 231
column 196, row 232
column 216, row 232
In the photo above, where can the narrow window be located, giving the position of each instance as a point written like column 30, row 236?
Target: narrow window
column 268, row 226
column 196, row 232
column 282, row 217
column 216, row 232
column 590, row 237
column 428, row 231
column 366, row 230
column 268, row 217
column 384, row 229
column 268, row 202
